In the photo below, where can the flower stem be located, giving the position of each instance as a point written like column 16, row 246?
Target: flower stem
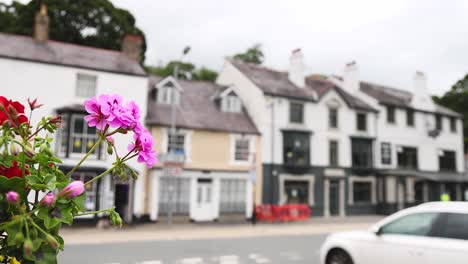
column 96, row 212
column 101, row 137
column 100, row 176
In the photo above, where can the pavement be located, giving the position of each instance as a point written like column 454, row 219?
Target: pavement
column 203, row 231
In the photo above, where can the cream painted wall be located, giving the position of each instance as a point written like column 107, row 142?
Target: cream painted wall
column 210, row 150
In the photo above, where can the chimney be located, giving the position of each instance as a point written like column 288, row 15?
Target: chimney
column 296, row 68
column 131, row 46
column 41, row 25
column 421, row 98
column 351, row 77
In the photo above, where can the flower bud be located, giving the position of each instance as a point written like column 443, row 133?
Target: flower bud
column 14, row 150
column 29, row 151
column 12, row 197
column 110, row 150
column 115, row 219
column 28, row 248
column 48, row 200
column 56, row 120
column 52, row 241
column 110, row 139
column 73, row 189
column 19, row 238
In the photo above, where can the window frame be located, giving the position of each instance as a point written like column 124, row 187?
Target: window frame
column 444, row 223
column 443, row 163
column 291, row 112
column 333, row 122
column 358, row 149
column 410, row 113
column 373, row 190
column 82, row 79
column 439, row 122
column 453, row 125
column 334, row 156
column 386, row 153
column 391, row 114
column 361, row 122
column 231, row 104
column 291, row 137
column 414, row 165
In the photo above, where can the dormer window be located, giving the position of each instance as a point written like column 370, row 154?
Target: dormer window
column 231, row 103
column 168, row 91
column 168, row 95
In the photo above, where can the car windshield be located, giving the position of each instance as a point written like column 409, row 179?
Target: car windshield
column 419, row 224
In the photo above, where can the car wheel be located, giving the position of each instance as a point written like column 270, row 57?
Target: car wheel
column 339, row 256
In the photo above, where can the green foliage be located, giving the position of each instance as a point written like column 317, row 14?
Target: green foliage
column 86, row 22
column 253, row 55
column 186, row 71
column 457, row 100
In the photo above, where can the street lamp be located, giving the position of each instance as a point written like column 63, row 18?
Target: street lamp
column 172, row 135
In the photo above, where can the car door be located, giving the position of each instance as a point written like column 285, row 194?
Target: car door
column 400, row 241
column 449, row 244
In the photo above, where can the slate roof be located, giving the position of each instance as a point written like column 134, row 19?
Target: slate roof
column 397, row 97
column 198, row 110
column 277, row 83
column 60, row 53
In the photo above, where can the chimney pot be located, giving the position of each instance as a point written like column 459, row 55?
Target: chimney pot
column 41, row 25
column 131, row 46
column 351, row 77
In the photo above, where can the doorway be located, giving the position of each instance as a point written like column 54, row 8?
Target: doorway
column 204, row 205
column 121, row 200
column 334, row 197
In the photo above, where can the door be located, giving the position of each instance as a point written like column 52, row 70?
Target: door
column 204, row 206
column 401, row 241
column 450, row 243
column 121, row 200
column 334, row 197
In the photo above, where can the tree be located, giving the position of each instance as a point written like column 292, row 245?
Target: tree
column 253, row 54
column 96, row 23
column 186, row 71
column 457, row 100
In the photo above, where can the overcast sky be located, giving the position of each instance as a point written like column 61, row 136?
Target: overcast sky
column 390, row 40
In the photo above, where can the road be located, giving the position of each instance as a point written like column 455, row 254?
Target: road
column 298, row 249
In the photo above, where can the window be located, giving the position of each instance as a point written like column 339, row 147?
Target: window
column 455, row 226
column 91, row 190
column 333, row 153
column 82, row 136
column 362, row 153
column 362, row 192
column 297, row 192
column 386, row 153
column 168, row 94
column 391, row 114
column 242, row 149
column 361, row 122
column 333, row 118
column 85, row 85
column 296, row 148
column 447, row 161
column 232, row 196
column 407, row 158
column 231, row 103
column 420, row 224
column 453, row 124
column 180, row 195
column 296, row 112
column 176, row 143
column 438, row 119
column 410, row 117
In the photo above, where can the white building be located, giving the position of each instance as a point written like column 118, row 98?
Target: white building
column 62, row 76
column 419, row 148
column 327, row 142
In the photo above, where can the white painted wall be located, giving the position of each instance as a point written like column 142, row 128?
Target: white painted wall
column 260, row 108
column 54, row 86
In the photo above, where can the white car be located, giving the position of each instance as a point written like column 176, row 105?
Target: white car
column 431, row 233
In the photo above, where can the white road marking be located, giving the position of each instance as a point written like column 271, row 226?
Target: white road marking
column 191, row 261
column 151, row 262
column 229, row 259
column 291, row 256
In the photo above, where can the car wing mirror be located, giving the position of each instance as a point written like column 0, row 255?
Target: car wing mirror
column 377, row 230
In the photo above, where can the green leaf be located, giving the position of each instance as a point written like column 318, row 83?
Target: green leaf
column 79, row 202
column 13, row 184
column 67, row 216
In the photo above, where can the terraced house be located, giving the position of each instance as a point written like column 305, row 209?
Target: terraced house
column 62, row 76
column 419, row 151
column 348, row 147
column 220, row 145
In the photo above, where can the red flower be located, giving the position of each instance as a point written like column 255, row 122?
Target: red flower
column 11, row 110
column 13, row 171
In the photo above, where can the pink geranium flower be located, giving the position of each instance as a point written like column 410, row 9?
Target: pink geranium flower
column 144, row 146
column 118, row 116
column 73, row 189
column 95, row 118
column 48, row 200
